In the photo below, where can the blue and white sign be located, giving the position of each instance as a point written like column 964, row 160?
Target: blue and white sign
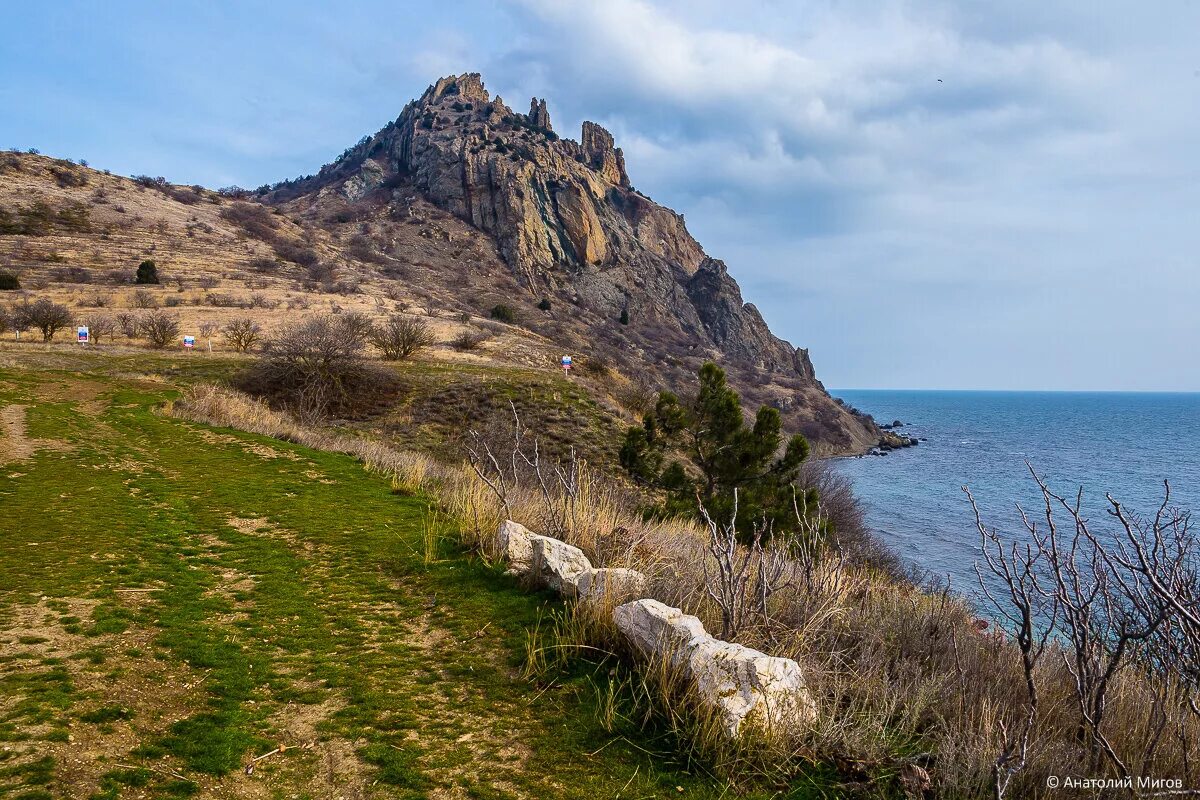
column 82, row 333
column 189, row 342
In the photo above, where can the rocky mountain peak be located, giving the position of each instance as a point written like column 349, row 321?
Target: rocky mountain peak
column 569, row 223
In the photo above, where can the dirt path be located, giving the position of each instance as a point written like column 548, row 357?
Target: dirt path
column 15, row 446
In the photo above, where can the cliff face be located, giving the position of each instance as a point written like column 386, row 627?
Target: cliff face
column 569, row 224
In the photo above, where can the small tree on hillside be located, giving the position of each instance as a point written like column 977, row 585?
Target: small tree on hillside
column 47, row 316
column 100, row 327
column 147, row 272
column 722, row 455
column 9, row 281
column 242, row 334
column 159, row 328
column 400, row 337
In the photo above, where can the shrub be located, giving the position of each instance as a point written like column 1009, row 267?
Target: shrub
column 100, row 327
column 254, row 219
column 504, row 313
column 315, row 368
column 147, row 272
column 400, row 338
column 144, row 299
column 468, row 340
column 47, row 316
column 128, row 324
column 159, row 328
column 9, row 282
column 544, row 305
column 624, row 316
column 242, row 334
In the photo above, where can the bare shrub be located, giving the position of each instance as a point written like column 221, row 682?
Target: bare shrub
column 159, row 328
column 46, row 316
column 101, row 327
column 316, row 368
column 468, row 340
column 400, row 338
column 242, row 334
column 143, row 298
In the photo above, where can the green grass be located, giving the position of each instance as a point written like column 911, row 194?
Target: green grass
column 321, row 625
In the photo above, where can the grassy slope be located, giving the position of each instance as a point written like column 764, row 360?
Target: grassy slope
column 294, row 601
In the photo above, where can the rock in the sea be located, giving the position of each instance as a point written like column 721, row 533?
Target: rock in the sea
column 610, row 587
column 747, row 688
column 557, row 565
column 514, row 543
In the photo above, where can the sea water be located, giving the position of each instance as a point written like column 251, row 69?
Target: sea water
column 1125, row 444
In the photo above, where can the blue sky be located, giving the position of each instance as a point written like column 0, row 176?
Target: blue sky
column 1031, row 220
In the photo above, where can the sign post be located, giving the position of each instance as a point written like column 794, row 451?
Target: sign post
column 566, row 366
column 82, row 334
column 189, row 342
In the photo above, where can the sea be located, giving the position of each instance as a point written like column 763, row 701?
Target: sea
column 1125, row 444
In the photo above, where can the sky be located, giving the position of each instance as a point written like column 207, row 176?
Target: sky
column 924, row 194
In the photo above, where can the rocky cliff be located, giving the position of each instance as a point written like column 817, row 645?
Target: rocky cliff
column 570, row 226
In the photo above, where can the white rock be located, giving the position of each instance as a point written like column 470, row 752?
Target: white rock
column 657, row 630
column 514, row 543
column 557, row 565
column 749, row 688
column 609, row 587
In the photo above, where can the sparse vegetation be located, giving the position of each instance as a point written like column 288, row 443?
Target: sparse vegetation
column 9, row 281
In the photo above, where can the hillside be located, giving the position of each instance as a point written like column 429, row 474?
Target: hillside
column 459, row 206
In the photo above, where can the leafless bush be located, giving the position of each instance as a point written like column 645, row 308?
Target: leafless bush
column 143, row 298
column 128, row 324
column 100, row 327
column 316, row 368
column 400, row 338
column 45, row 315
column 1118, row 615
column 159, row 328
column 468, row 340
column 242, row 334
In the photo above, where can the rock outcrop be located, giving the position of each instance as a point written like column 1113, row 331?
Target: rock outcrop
column 571, row 226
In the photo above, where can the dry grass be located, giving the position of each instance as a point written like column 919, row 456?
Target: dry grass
column 904, row 677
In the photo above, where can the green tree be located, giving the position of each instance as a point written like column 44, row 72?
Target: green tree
column 722, row 458
column 147, row 272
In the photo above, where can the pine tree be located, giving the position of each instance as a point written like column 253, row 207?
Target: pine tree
column 721, row 454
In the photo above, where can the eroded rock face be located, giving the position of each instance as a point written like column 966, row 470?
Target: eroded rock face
column 611, row 586
column 557, row 565
column 746, row 687
column 570, row 225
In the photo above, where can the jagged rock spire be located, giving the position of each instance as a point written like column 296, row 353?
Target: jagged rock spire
column 538, row 115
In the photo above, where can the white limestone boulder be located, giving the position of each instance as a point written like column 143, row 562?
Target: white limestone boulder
column 747, row 688
column 610, row 587
column 557, row 565
column 514, row 543
column 657, row 630
column 750, row 689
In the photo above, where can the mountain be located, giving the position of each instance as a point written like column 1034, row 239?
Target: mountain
column 573, row 231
